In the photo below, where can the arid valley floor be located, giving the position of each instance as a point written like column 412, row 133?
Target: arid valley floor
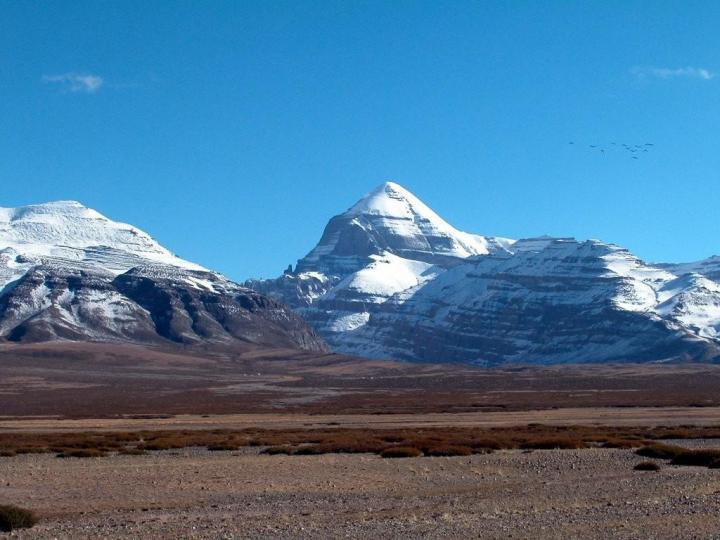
column 193, row 493
column 61, row 395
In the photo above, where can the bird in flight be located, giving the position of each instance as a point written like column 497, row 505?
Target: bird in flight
column 632, row 149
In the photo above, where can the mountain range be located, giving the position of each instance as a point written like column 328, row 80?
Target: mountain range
column 390, row 278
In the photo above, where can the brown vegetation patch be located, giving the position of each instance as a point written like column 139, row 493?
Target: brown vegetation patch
column 82, row 453
column 660, row 451
column 448, row 451
column 132, row 452
column 647, row 466
column 682, row 456
column 13, row 517
column 400, row 452
column 702, row 458
column 278, row 450
column 223, row 447
column 553, row 443
column 430, row 441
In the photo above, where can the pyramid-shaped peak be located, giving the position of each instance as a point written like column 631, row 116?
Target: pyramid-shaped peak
column 390, row 219
column 393, row 200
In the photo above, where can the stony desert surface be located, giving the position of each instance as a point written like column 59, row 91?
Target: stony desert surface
column 579, row 416
column 193, row 493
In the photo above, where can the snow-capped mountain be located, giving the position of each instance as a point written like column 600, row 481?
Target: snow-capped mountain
column 70, row 231
column 68, row 272
column 386, row 244
column 391, row 279
column 390, row 219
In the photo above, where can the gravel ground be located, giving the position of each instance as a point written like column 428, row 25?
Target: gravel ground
column 511, row 494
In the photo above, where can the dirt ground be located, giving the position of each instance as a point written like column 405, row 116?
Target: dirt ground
column 93, row 380
column 600, row 416
column 192, row 493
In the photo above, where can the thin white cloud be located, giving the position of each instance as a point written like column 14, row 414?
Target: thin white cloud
column 673, row 73
column 76, row 82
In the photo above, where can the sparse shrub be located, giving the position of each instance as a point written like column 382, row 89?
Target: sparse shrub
column 132, row 452
column 647, row 466
column 361, row 440
column 13, row 517
column 222, row 447
column 703, row 458
column 82, row 453
column 660, row 451
column 279, row 450
column 401, row 452
column 487, row 445
column 614, row 442
column 311, row 451
column 352, row 446
column 163, row 444
column 32, row 450
column 448, row 451
column 551, row 443
column 677, row 433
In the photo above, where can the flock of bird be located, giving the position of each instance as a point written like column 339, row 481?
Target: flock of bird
column 633, row 150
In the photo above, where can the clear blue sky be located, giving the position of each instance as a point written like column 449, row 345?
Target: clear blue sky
column 232, row 131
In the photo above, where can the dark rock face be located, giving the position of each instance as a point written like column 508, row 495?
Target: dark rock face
column 153, row 305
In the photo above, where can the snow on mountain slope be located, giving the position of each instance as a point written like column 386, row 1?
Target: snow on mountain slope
column 391, row 279
column 68, row 230
column 68, row 272
column 385, row 276
column 568, row 301
column 693, row 301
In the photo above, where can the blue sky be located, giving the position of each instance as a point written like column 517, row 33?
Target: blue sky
column 232, row 131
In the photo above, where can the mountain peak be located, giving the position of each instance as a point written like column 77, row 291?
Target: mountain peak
column 69, row 230
column 390, row 185
column 60, row 208
column 392, row 200
column 391, row 219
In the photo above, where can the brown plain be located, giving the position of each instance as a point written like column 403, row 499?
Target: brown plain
column 180, row 443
